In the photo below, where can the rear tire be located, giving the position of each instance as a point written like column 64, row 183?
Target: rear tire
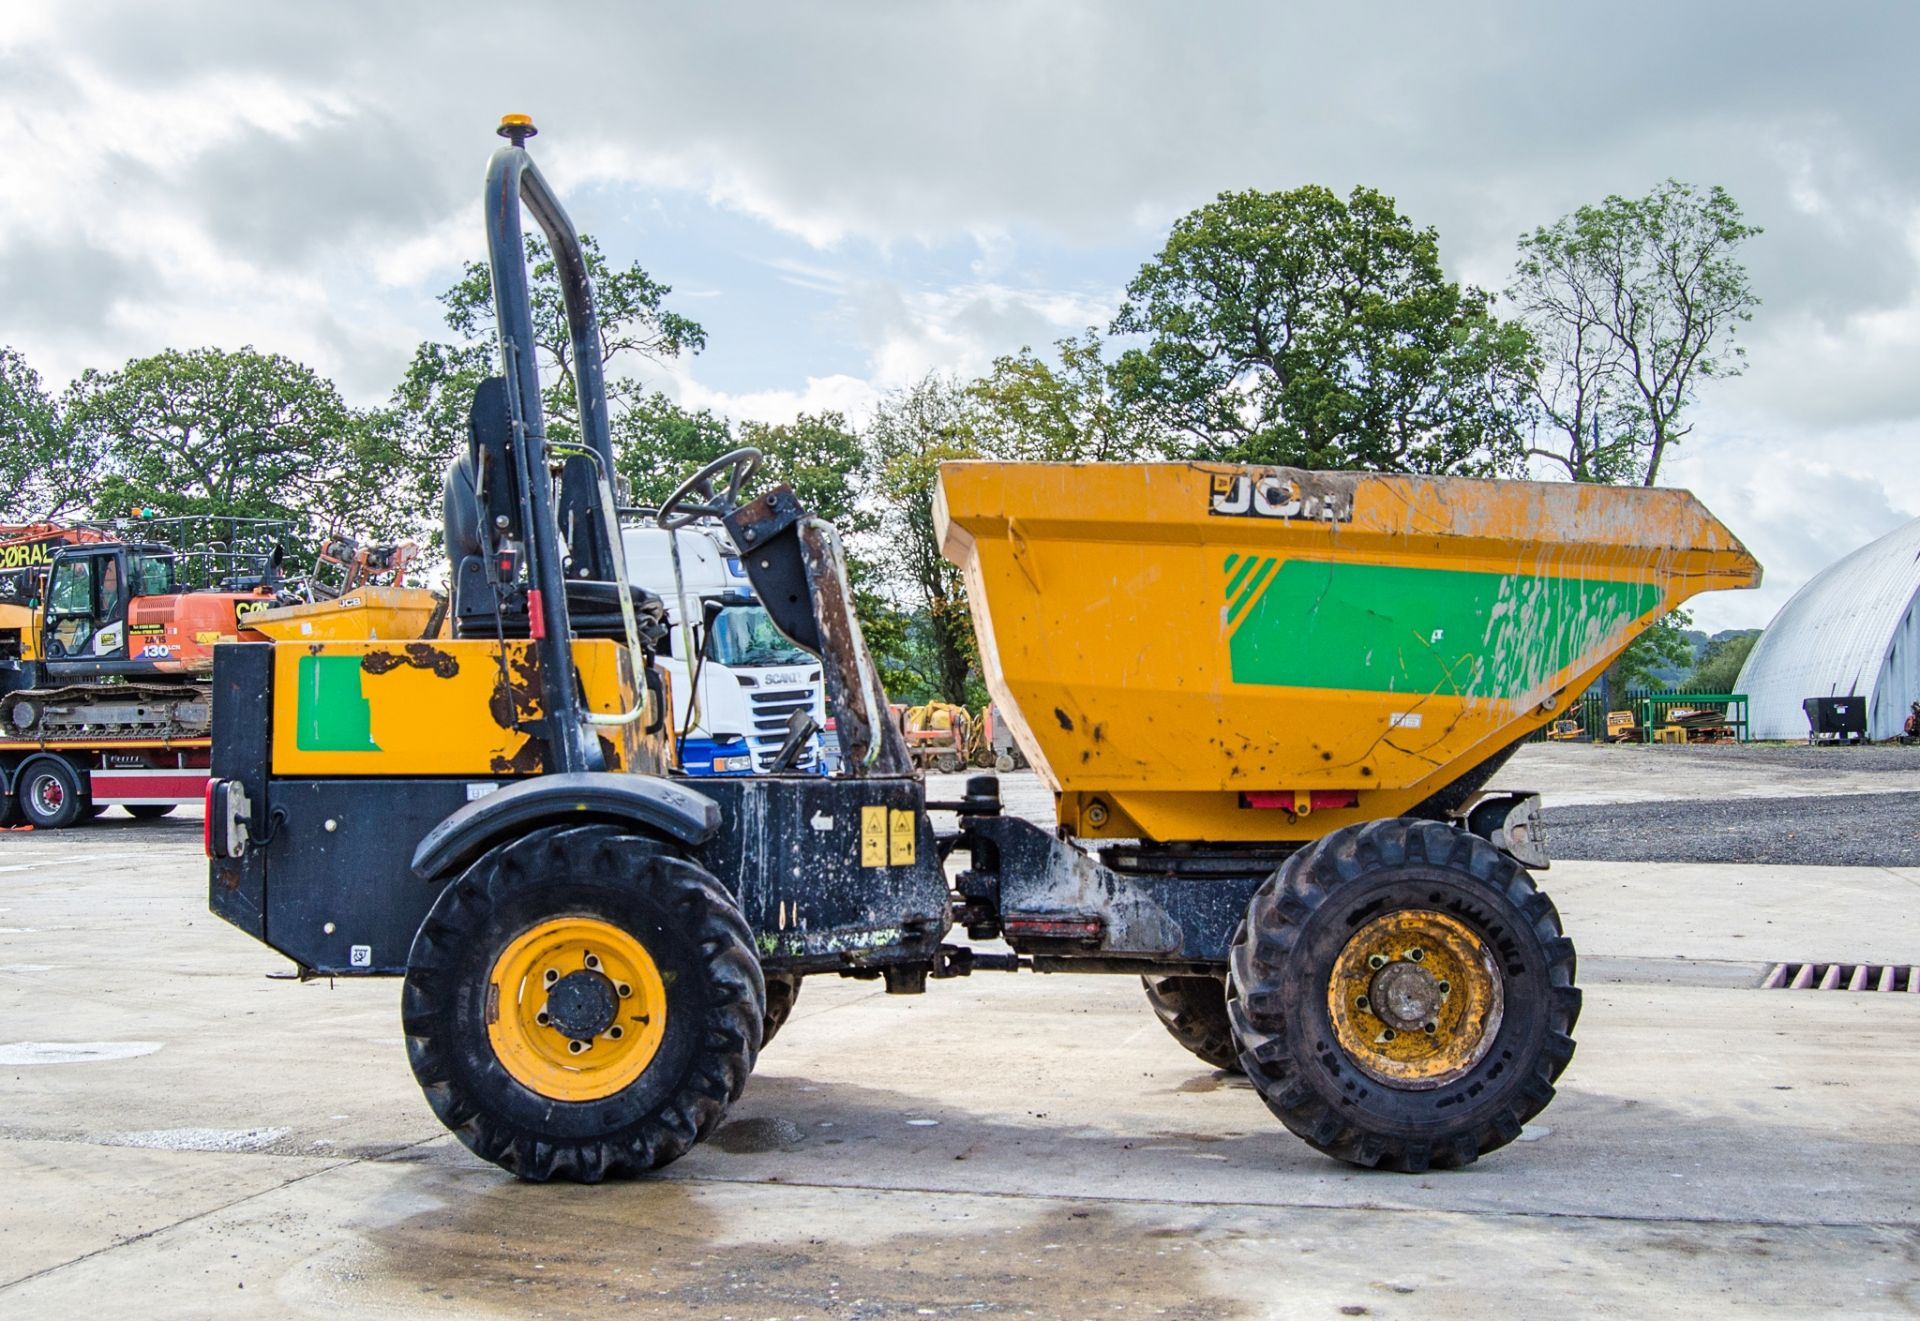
column 1445, row 932
column 1193, row 1010
column 675, row 972
column 782, row 991
column 49, row 794
column 149, row 811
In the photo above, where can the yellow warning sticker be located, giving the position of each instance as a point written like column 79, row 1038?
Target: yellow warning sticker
column 903, row 834
column 873, row 837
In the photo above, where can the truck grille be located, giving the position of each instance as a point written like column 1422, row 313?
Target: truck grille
column 771, row 711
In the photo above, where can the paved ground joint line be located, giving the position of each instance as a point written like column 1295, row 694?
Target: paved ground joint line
column 1910, row 1227
column 145, row 1234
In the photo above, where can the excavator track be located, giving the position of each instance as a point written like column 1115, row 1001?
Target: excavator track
column 118, row 710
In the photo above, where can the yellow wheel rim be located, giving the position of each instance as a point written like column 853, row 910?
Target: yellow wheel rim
column 576, row 1008
column 1415, row 998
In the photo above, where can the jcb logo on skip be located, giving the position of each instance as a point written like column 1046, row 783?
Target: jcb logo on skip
column 1269, row 495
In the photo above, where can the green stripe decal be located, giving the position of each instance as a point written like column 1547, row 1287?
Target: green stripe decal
column 1380, row 628
column 1258, row 584
column 1234, row 581
column 333, row 713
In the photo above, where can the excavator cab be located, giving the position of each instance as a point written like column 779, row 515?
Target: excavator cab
column 86, row 614
column 89, row 590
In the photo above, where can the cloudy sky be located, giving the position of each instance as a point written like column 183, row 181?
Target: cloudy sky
column 850, row 194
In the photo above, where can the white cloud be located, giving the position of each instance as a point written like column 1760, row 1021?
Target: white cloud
column 305, row 178
column 849, row 396
column 1797, row 514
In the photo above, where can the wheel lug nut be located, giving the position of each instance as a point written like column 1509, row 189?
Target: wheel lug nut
column 1416, row 954
column 623, row 990
column 593, row 961
column 552, row 976
column 542, row 1019
column 575, row 1047
column 1362, row 1003
column 1386, row 1034
column 1446, row 987
column 1430, row 1028
column 1376, row 961
column 616, row 1032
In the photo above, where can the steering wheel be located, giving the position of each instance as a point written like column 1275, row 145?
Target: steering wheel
column 678, row 510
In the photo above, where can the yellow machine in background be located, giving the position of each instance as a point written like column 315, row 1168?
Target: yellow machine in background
column 363, row 613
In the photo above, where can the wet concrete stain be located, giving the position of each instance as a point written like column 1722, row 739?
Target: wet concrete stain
column 747, row 1136
column 665, row 1249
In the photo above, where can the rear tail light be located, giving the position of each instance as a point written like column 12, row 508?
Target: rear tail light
column 229, row 814
column 1052, row 927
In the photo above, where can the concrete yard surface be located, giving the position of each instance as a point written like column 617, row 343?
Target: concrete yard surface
column 181, row 1136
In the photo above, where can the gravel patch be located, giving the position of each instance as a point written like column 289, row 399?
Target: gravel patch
column 1870, row 757
column 1844, row 830
column 196, row 1139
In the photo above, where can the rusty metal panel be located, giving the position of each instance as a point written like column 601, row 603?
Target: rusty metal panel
column 1176, row 644
column 445, row 707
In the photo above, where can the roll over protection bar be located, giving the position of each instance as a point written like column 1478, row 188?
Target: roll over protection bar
column 514, row 182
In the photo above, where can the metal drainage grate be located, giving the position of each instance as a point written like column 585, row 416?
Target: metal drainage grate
column 1842, row 977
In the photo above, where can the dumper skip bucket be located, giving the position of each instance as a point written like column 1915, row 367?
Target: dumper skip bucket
column 1214, row 653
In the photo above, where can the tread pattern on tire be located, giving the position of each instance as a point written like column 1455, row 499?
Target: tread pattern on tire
column 1280, row 911
column 1194, row 1012
column 782, row 991
column 721, row 1059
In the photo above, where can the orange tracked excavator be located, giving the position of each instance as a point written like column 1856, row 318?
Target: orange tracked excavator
column 106, row 648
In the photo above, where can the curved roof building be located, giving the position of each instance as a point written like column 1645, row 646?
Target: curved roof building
column 1852, row 631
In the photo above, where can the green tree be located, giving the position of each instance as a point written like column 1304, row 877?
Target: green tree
column 1720, row 665
column 822, row 459
column 1301, row 329
column 1030, row 410
column 657, row 444
column 426, row 422
column 46, row 471
column 911, row 434
column 629, row 304
column 1634, row 302
column 1653, row 659
column 245, row 434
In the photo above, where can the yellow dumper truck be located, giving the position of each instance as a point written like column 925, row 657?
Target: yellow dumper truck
column 1269, row 703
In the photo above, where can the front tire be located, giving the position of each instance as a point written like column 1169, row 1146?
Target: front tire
column 1403, row 995
column 149, row 811
column 582, row 1004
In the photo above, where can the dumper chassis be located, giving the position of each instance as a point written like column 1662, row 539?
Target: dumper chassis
column 595, row 950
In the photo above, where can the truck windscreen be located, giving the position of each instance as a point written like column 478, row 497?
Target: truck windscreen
column 744, row 635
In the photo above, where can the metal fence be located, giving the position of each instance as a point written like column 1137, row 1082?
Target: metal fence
column 1652, row 710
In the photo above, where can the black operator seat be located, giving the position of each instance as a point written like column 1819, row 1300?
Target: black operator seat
column 480, row 508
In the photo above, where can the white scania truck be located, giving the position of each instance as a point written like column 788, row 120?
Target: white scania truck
column 736, row 680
